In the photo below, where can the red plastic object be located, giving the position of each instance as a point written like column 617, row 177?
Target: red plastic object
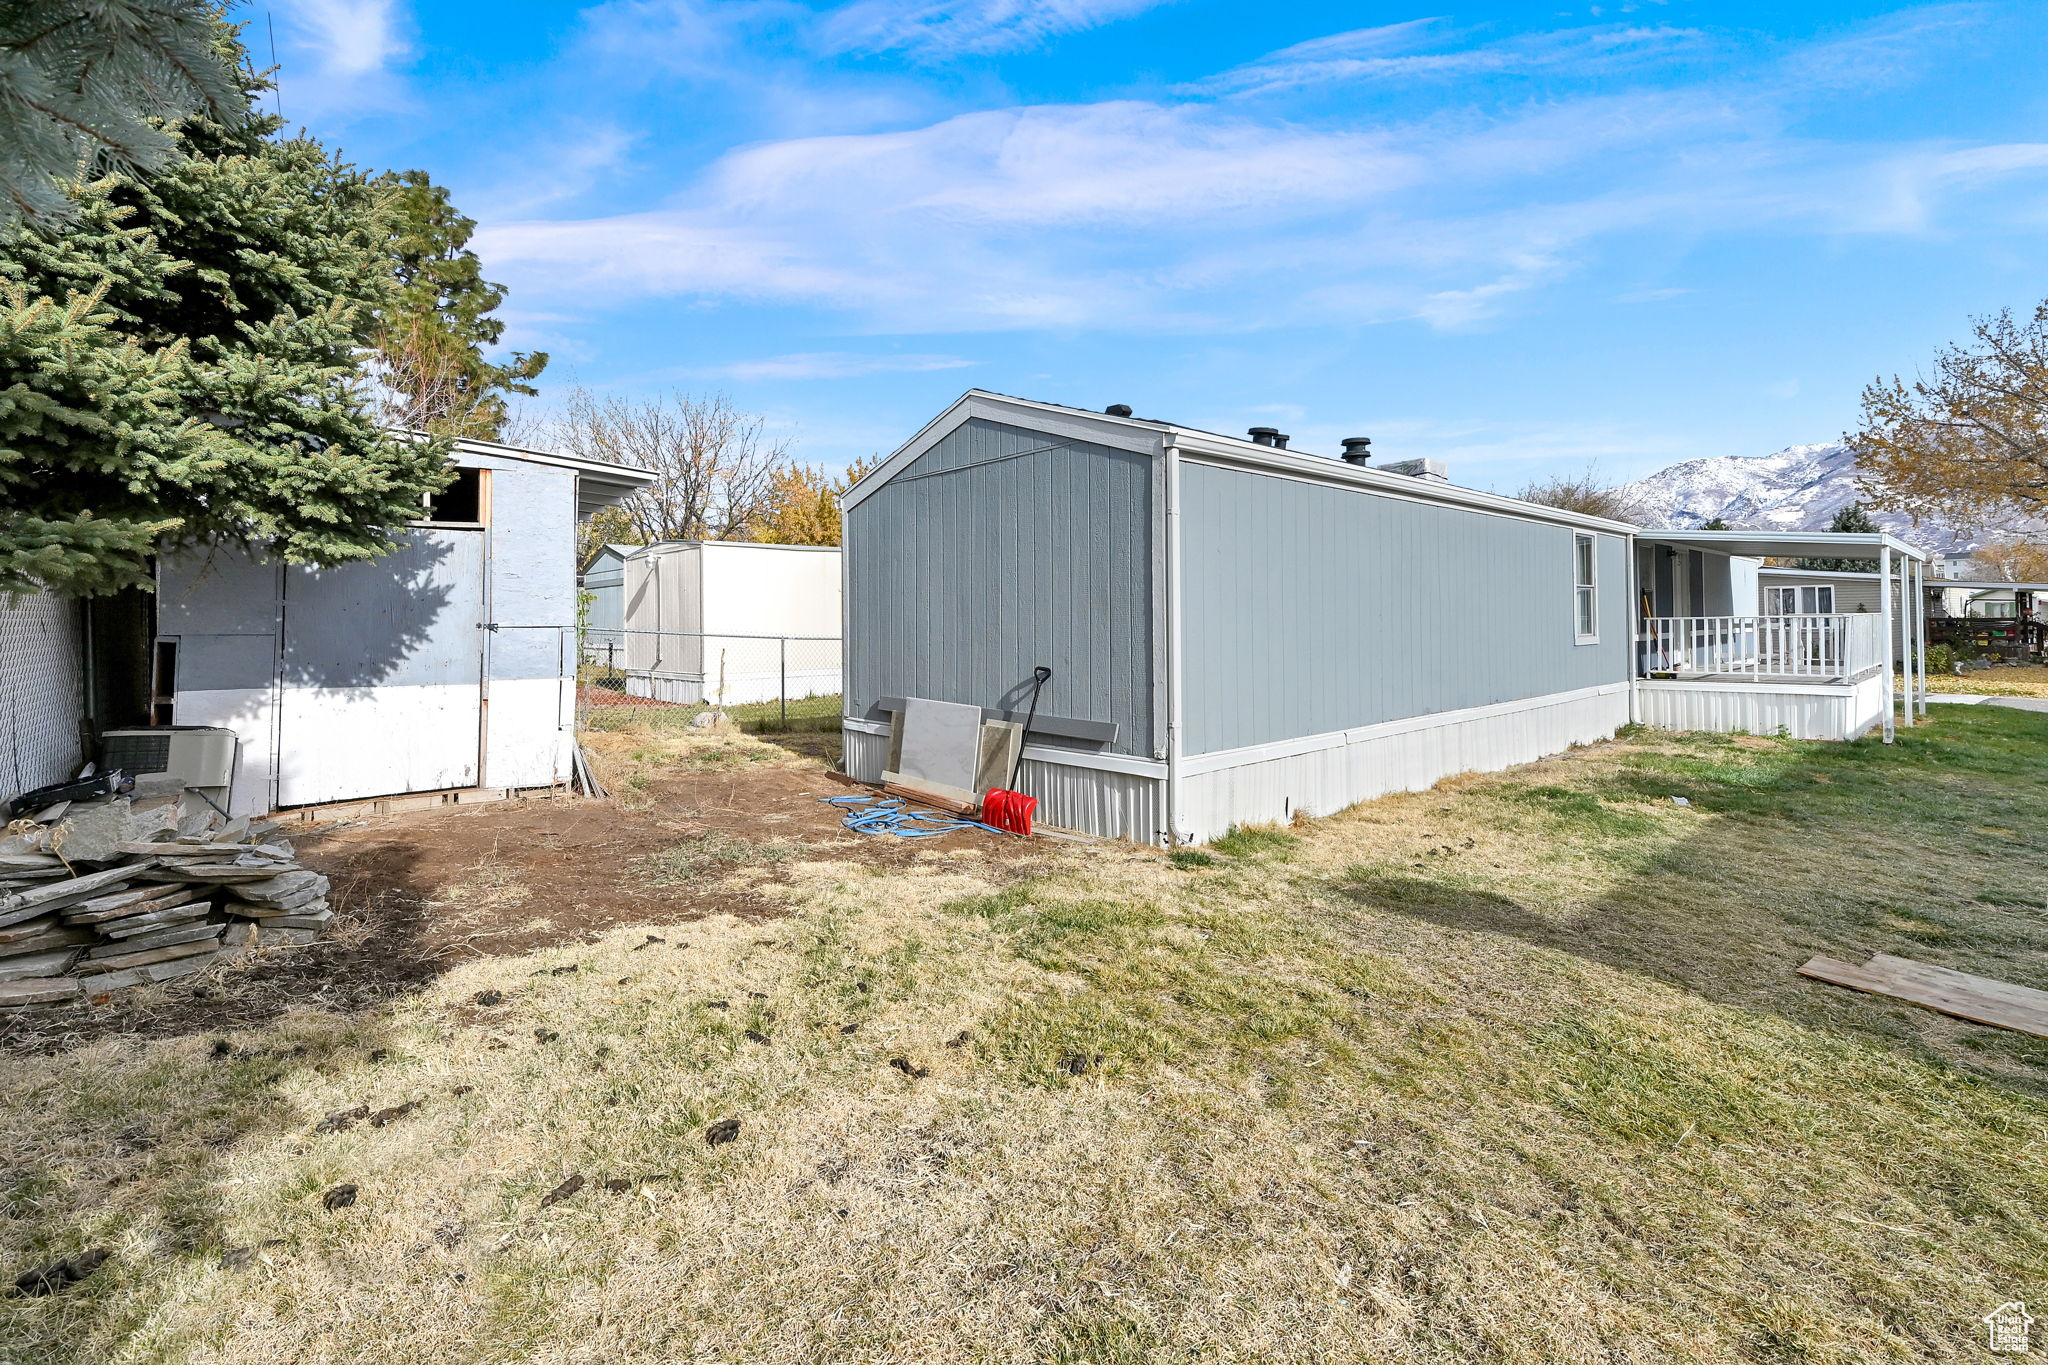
column 1008, row 810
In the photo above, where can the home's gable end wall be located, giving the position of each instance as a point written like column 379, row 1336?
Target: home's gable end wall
column 1001, row 547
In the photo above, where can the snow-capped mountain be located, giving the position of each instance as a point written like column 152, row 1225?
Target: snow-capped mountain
column 1797, row 489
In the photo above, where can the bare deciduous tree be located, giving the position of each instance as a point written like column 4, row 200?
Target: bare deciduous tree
column 713, row 465
column 1582, row 492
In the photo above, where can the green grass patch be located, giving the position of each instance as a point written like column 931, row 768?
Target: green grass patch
column 1255, row 841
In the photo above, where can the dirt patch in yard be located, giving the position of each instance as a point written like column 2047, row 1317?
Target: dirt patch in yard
column 700, row 824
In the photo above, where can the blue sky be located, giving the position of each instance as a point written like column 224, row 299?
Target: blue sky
column 1520, row 238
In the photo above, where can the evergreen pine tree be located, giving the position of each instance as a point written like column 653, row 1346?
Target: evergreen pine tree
column 90, row 80
column 1848, row 517
column 432, row 337
column 181, row 364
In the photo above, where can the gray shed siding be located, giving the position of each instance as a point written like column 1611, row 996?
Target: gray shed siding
column 1309, row 609
column 999, row 549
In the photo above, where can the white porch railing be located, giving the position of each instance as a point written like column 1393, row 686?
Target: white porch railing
column 1815, row 647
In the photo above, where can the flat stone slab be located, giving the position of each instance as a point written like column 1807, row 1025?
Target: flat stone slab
column 93, row 832
column 146, row 900
column 50, row 991
column 160, row 938
column 147, row 957
column 53, row 963
column 54, row 937
column 21, row 905
column 162, row 919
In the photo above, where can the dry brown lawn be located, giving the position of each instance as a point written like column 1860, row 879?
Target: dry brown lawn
column 1513, row 1070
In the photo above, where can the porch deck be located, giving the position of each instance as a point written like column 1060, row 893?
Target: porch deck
column 1793, row 650
column 1808, row 677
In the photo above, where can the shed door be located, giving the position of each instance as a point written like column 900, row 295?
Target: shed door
column 382, row 687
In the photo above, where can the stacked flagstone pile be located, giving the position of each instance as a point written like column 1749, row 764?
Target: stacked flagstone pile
column 102, row 895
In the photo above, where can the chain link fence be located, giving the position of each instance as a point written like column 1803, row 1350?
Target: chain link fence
column 41, row 691
column 759, row 682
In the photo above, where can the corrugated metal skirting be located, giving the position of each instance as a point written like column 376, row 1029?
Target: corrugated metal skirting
column 1113, row 805
column 1412, row 759
column 42, row 695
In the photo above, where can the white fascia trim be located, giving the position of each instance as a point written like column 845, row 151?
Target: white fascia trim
column 1196, row 764
column 1775, row 689
column 1108, row 763
column 1121, row 433
column 1336, row 474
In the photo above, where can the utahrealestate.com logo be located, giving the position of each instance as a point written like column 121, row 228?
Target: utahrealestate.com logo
column 2009, row 1324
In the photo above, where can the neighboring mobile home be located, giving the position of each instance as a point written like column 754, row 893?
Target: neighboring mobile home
column 604, row 605
column 731, row 622
column 447, row 664
column 1824, row 592
column 1238, row 632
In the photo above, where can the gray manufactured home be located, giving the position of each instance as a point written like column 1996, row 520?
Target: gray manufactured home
column 1238, row 632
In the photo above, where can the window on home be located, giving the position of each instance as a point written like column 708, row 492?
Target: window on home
column 1585, row 588
column 1808, row 600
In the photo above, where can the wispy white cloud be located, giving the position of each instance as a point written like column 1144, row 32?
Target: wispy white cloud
column 936, row 29
column 1200, row 213
column 832, row 365
column 338, row 56
column 1426, row 49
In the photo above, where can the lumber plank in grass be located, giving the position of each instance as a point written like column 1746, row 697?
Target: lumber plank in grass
column 1979, row 999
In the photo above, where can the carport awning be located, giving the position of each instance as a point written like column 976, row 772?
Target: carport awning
column 1788, row 544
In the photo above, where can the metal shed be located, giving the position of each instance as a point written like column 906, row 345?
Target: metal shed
column 1237, row 632
column 731, row 622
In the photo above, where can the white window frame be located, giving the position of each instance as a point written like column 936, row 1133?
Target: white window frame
column 1587, row 592
column 1802, row 599
column 1820, row 591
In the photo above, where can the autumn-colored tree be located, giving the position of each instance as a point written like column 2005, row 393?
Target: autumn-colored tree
column 2016, row 561
column 802, row 506
column 1969, row 440
column 606, row 526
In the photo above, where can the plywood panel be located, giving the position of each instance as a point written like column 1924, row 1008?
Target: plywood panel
column 382, row 666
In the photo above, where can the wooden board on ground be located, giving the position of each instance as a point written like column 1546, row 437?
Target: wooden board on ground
column 1980, row 999
column 955, row 803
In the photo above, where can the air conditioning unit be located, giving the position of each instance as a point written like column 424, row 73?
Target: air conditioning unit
column 201, row 756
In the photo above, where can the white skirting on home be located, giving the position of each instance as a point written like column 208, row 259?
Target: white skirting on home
column 1800, row 711
column 1320, row 774
column 1115, row 805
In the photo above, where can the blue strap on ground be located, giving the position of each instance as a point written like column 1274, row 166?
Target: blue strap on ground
column 892, row 815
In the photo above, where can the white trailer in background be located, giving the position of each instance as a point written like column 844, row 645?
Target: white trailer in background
column 446, row 665
column 731, row 622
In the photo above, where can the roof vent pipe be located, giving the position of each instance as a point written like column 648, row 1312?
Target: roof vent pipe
column 1280, row 441
column 1357, row 449
column 1264, row 436
column 1118, row 410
